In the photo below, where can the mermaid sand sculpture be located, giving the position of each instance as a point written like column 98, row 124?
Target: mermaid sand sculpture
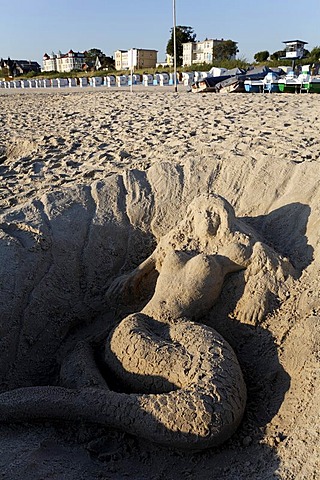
column 186, row 386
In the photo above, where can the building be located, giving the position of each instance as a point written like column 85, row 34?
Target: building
column 138, row 57
column 63, row 62
column 294, row 49
column 121, row 60
column 167, row 63
column 19, row 67
column 169, row 59
column 199, row 52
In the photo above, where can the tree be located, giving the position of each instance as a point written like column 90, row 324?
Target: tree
column 95, row 57
column 261, row 56
column 183, row 35
column 224, row 50
column 93, row 53
column 314, row 55
column 277, row 55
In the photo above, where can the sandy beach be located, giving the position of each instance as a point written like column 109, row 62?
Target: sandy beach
column 91, row 181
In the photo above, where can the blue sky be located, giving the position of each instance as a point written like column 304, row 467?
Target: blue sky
column 29, row 28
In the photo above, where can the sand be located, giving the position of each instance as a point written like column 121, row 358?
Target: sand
column 90, row 184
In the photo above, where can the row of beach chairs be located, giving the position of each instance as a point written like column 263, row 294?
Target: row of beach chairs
column 161, row 79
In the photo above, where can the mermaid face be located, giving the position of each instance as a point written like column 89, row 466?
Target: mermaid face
column 215, row 228
column 210, row 214
column 206, row 222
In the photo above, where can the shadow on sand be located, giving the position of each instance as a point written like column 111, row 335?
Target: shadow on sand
column 243, row 456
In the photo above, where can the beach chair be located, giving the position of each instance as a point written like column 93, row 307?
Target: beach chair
column 187, row 78
column 136, row 79
column 72, row 82
column 83, row 81
column 96, row 81
column 62, row 82
column 122, row 81
column 147, row 80
column 110, row 81
column 171, row 79
column 156, row 79
column 164, row 79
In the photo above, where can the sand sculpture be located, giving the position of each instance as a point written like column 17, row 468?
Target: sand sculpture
column 181, row 382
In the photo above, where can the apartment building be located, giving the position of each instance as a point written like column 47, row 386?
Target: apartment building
column 138, row 57
column 121, row 59
column 199, row 52
column 63, row 62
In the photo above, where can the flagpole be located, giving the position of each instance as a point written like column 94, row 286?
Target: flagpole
column 174, row 47
column 131, row 74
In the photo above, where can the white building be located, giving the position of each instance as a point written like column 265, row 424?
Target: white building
column 63, row 62
column 140, row 57
column 199, row 52
column 121, row 59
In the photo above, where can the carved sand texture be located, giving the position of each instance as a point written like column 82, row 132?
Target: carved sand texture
column 203, row 408
column 190, row 392
column 211, row 228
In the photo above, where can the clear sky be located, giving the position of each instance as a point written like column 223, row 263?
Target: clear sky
column 29, row 28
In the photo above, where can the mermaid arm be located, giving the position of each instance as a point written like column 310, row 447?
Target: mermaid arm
column 265, row 284
column 126, row 285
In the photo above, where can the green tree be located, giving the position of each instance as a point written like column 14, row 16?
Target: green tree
column 277, row 55
column 261, row 56
column 93, row 54
column 314, row 55
column 183, row 35
column 224, row 50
